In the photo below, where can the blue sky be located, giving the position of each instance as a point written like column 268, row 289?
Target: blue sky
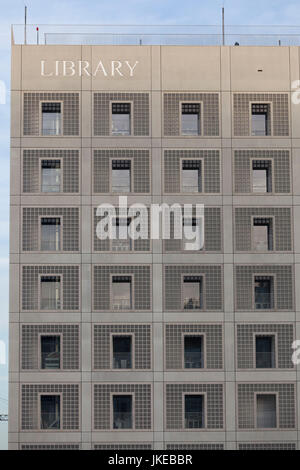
column 255, row 12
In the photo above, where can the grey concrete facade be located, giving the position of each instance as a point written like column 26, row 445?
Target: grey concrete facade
column 222, row 79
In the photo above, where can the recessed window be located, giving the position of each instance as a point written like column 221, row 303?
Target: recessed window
column 50, row 293
column 265, row 351
column 122, row 412
column 264, row 292
column 121, row 118
column 193, row 411
column 50, row 411
column 50, row 233
column 261, row 119
column 266, row 411
column 51, row 176
column 190, row 119
column 122, row 352
column 51, row 118
column 262, row 234
column 192, row 293
column 193, row 352
column 191, row 228
column 121, row 176
column 122, row 240
column 121, row 293
column 191, row 176
column 50, row 352
column 261, row 176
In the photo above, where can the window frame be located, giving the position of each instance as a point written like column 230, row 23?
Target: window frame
column 183, row 241
column 60, row 275
column 200, row 121
column 201, row 159
column 272, row 176
column 112, row 394
column 203, row 336
column 41, row 159
column 204, row 427
column 61, row 368
column 131, row 239
column 60, row 234
column 272, row 217
column 276, row 393
column 275, row 336
column 132, row 309
column 203, row 288
column 132, row 335
column 131, row 159
column 270, row 103
column 41, row 102
column 61, row 414
column 131, row 102
column 270, row 275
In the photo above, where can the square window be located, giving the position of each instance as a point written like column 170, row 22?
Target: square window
column 192, row 293
column 50, row 233
column 190, row 119
column 122, row 412
column 266, row 411
column 193, row 352
column 122, row 240
column 122, row 352
column 261, row 176
column 262, row 234
column 261, row 119
column 121, row 113
column 121, row 293
column 121, row 176
column 50, row 411
column 51, row 118
column 194, row 411
column 265, row 351
column 264, row 292
column 51, row 176
column 50, row 352
column 191, row 176
column 50, row 293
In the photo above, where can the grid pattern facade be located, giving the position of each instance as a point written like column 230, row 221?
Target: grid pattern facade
column 282, row 230
column 283, row 288
column 286, row 403
column 213, row 404
column 209, row 108
column 246, row 344
column 213, row 289
column 69, row 223
column 267, row 446
column 31, row 114
column 211, row 168
column 140, row 111
column 279, row 112
column 281, row 168
column 31, row 287
column 140, row 167
column 141, row 292
column 32, row 169
column 50, row 447
column 69, row 405
column 31, row 344
column 142, row 404
column 174, row 337
column 141, row 340
column 206, row 446
column 122, row 446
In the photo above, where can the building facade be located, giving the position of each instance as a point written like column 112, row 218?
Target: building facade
column 142, row 344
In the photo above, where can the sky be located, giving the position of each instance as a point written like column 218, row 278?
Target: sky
column 146, row 12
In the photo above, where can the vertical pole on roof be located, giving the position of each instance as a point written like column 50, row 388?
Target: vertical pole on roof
column 25, row 26
column 223, row 26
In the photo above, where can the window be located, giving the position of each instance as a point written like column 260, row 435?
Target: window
column 266, row 411
column 261, row 176
column 261, row 119
column 50, row 411
column 120, row 118
column 190, row 119
column 122, row 412
column 192, row 293
column 263, row 291
column 121, row 293
column 50, row 293
column 122, row 240
column 51, row 176
column 262, row 234
column 194, row 411
column 50, row 234
column 122, row 346
column 192, row 227
column 265, row 351
column 121, row 176
column 50, row 352
column 51, row 118
column 193, row 352
column 191, row 179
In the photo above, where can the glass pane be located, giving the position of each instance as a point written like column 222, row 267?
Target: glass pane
column 263, row 294
column 122, row 406
column 122, row 242
column 51, row 180
column 50, row 293
column 261, row 237
column 265, row 354
column 121, row 181
column 190, row 124
column 259, row 124
column 50, row 412
column 121, row 124
column 260, row 184
column 193, row 357
column 194, row 411
column 191, row 227
column 191, row 295
column 266, row 411
column 191, row 180
column 50, row 346
column 122, row 352
column 121, row 295
column 50, row 235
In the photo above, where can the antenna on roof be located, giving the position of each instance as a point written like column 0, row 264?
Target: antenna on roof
column 223, row 26
column 25, row 26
